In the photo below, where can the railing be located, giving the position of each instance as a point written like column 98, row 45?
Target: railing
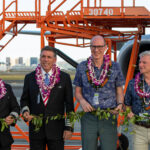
column 20, row 14
column 50, row 11
column 1, row 27
column 58, row 13
column 74, row 13
column 4, row 9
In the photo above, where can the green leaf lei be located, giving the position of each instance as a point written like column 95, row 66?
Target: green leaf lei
column 100, row 113
column 3, row 124
column 37, row 120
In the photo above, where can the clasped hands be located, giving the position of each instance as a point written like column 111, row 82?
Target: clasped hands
column 27, row 116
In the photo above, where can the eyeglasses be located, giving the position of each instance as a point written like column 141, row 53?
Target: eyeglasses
column 99, row 47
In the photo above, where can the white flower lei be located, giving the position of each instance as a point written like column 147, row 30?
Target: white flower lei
column 104, row 71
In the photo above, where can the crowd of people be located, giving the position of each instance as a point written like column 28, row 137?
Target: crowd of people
column 98, row 83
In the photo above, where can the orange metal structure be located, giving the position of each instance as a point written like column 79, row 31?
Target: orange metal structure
column 78, row 24
column 85, row 19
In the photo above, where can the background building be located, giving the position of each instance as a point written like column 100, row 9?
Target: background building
column 20, row 60
column 33, row 61
column 8, row 61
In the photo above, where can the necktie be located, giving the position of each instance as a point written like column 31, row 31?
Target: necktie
column 46, row 80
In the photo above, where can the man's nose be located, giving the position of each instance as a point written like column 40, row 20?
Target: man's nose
column 46, row 58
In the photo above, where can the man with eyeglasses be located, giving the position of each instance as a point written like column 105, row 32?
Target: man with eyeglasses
column 99, row 84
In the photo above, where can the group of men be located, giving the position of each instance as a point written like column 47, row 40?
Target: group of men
column 98, row 84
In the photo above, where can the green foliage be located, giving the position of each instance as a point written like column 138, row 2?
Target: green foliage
column 3, row 124
column 37, row 121
column 12, row 76
column 100, row 113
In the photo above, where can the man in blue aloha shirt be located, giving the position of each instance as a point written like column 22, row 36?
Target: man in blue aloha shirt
column 99, row 83
column 138, row 99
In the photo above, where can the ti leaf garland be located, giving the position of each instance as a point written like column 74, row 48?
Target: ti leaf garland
column 3, row 124
column 37, row 120
column 100, row 113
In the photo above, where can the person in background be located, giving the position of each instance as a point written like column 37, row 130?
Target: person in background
column 48, row 91
column 9, row 113
column 137, row 98
column 99, row 83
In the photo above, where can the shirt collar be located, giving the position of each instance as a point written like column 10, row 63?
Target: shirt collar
column 97, row 67
column 43, row 72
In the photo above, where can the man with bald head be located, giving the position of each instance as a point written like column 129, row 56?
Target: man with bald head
column 99, row 84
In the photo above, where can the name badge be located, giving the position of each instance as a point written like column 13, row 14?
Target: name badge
column 95, row 99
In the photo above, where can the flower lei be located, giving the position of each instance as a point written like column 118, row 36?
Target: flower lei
column 54, row 79
column 137, row 87
column 2, row 89
column 105, row 73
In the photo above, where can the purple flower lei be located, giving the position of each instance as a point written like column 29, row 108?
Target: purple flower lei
column 104, row 71
column 54, row 79
column 2, row 89
column 137, row 88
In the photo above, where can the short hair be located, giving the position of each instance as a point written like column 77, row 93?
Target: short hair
column 145, row 53
column 48, row 48
column 97, row 36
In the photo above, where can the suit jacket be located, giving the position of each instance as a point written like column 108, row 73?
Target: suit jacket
column 60, row 100
column 8, row 106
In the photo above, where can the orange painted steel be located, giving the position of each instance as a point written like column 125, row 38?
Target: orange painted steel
column 76, row 24
column 79, row 24
column 133, row 59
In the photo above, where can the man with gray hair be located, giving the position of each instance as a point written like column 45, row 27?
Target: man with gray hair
column 99, row 84
column 137, row 98
column 47, row 91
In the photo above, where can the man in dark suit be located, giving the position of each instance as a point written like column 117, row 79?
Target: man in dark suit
column 9, row 112
column 48, row 91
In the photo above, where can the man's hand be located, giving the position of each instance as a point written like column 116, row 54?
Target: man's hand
column 117, row 109
column 129, row 111
column 86, row 106
column 131, row 114
column 67, row 135
column 27, row 116
column 9, row 120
